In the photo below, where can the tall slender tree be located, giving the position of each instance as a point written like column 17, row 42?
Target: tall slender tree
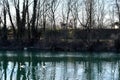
column 33, row 20
column 100, row 14
column 117, row 2
column 52, row 12
column 11, row 20
column 5, row 24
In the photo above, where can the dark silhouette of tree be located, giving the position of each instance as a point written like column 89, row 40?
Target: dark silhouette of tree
column 10, row 17
column 33, row 21
column 36, row 21
column 28, row 20
column 11, row 75
column 74, row 12
column 21, row 20
column 68, row 11
column 18, row 19
column 45, row 5
column 52, row 12
column 5, row 62
column 118, row 9
column 100, row 14
column 4, row 38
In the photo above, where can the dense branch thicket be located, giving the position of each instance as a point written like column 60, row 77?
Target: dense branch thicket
column 55, row 20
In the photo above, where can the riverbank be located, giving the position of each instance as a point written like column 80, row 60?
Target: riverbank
column 71, row 46
column 97, row 40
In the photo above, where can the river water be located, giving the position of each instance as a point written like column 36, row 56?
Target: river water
column 19, row 65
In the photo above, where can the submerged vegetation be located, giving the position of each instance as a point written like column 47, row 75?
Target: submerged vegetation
column 64, row 25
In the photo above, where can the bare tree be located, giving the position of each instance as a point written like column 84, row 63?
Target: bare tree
column 11, row 20
column 21, row 17
column 1, row 22
column 100, row 15
column 28, row 20
column 69, row 16
column 117, row 2
column 112, row 21
column 90, row 13
column 69, row 4
column 63, row 17
column 45, row 7
column 75, row 12
column 18, row 18
column 33, row 20
column 52, row 12
column 5, row 24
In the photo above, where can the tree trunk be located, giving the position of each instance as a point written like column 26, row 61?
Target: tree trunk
column 34, row 33
column 4, row 38
column 10, row 17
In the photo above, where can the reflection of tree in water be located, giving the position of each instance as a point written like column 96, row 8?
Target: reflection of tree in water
column 5, row 63
column 65, row 71
column 40, row 70
column 99, row 70
column 88, row 70
column 118, row 70
column 1, row 68
column 21, row 70
column 113, row 69
column 28, row 69
column 11, row 75
column 34, row 64
column 53, row 71
column 93, row 70
column 75, row 70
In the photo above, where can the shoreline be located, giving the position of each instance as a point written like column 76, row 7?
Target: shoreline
column 57, row 49
column 66, row 46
